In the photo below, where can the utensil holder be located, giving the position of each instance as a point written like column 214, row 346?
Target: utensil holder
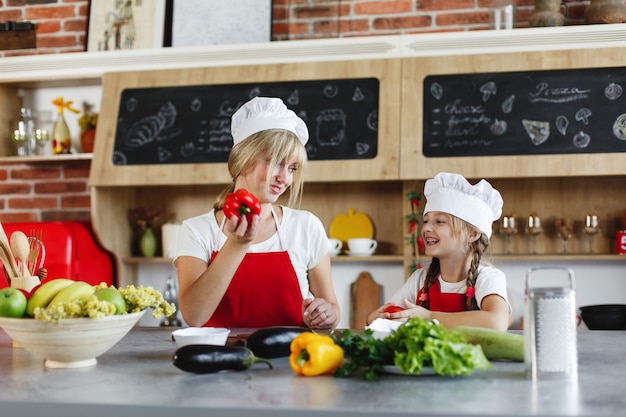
column 550, row 329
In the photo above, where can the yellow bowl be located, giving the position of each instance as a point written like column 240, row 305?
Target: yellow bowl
column 71, row 343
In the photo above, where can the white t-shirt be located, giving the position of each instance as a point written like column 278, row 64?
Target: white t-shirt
column 303, row 233
column 490, row 280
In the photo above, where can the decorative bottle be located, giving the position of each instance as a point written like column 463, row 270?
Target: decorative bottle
column 61, row 138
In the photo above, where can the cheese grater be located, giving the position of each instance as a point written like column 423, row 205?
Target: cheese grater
column 550, row 328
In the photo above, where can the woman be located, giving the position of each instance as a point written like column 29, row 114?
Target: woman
column 275, row 269
column 457, row 289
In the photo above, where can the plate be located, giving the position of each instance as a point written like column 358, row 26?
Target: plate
column 359, row 253
column 426, row 371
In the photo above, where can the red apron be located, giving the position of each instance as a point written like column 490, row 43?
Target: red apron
column 447, row 302
column 263, row 292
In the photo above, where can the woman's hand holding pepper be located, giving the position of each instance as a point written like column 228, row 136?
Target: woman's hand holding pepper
column 318, row 313
column 242, row 231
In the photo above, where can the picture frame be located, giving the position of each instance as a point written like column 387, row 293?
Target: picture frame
column 219, row 22
column 125, row 24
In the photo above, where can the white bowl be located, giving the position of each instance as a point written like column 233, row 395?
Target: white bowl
column 70, row 343
column 201, row 336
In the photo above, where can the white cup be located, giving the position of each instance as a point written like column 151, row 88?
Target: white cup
column 335, row 246
column 362, row 246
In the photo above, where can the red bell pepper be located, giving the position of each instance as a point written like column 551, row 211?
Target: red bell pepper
column 241, row 203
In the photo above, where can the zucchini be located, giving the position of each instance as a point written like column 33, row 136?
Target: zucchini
column 206, row 359
column 496, row 344
column 273, row 341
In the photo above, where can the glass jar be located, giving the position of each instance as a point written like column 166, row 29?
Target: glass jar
column 23, row 133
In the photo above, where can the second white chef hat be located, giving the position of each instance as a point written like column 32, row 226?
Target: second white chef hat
column 479, row 205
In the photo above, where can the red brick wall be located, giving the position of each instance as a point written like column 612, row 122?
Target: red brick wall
column 36, row 192
column 59, row 191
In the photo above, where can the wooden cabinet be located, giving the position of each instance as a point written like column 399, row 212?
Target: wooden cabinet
column 551, row 185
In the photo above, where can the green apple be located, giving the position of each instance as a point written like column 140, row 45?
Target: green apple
column 113, row 296
column 12, row 303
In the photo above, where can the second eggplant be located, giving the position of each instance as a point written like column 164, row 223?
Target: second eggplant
column 274, row 341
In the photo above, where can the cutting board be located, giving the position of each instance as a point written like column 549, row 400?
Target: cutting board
column 365, row 297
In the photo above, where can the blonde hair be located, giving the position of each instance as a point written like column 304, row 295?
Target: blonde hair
column 460, row 230
column 272, row 146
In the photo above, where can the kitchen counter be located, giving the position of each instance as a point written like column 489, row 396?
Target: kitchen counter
column 137, row 378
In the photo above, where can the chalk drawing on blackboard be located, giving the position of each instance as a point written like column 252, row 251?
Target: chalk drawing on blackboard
column 613, row 91
column 543, row 93
column 507, row 104
column 581, row 140
column 372, row 120
column 201, row 132
column 254, row 92
column 436, row 90
column 583, row 115
column 499, row 127
column 330, row 91
column 148, row 128
column 163, row 154
column 362, row 148
column 561, row 124
column 187, row 149
column 119, row 158
column 131, row 104
column 619, row 127
column 488, row 89
column 358, row 95
column 196, row 105
column 330, row 128
column 294, row 98
column 219, row 128
column 538, row 131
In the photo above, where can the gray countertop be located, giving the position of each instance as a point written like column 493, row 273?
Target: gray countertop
column 137, row 378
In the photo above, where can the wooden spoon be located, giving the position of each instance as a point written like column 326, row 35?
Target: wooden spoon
column 8, row 260
column 21, row 249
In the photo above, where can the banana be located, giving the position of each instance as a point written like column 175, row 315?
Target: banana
column 78, row 290
column 45, row 293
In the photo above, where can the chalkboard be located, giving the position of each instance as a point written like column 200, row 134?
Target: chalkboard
column 191, row 124
column 525, row 113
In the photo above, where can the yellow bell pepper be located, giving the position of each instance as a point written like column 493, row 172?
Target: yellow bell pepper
column 313, row 354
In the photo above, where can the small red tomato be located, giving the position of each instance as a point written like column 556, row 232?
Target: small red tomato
column 392, row 309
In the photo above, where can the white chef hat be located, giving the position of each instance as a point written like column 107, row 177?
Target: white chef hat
column 479, row 205
column 262, row 113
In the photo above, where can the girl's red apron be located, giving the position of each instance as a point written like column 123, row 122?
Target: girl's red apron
column 444, row 301
column 263, row 292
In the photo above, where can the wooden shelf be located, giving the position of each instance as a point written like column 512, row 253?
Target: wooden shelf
column 570, row 257
column 340, row 258
column 372, row 258
column 46, row 158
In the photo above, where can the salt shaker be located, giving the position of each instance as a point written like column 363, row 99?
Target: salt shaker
column 550, row 329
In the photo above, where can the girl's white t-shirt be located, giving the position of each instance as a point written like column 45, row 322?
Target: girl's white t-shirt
column 490, row 280
column 303, row 234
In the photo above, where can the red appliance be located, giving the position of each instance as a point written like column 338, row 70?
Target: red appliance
column 72, row 251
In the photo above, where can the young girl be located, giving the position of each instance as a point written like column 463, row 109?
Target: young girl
column 456, row 289
column 274, row 270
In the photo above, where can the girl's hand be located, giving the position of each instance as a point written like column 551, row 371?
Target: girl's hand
column 413, row 310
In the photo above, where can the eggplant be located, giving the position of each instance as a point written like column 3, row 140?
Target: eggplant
column 206, row 359
column 273, row 341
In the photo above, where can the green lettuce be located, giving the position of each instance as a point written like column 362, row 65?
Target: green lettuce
column 416, row 344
